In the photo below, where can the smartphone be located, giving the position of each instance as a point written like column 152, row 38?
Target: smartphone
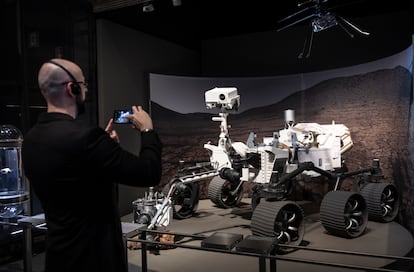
column 119, row 116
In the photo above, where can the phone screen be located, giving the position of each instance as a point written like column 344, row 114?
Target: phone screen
column 119, row 116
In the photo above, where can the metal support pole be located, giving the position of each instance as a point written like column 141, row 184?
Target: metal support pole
column 262, row 264
column 272, row 265
column 27, row 224
column 125, row 240
column 144, row 252
column 27, row 246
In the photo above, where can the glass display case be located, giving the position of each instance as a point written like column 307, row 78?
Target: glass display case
column 13, row 192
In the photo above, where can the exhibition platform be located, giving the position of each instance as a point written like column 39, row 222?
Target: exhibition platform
column 374, row 249
column 383, row 247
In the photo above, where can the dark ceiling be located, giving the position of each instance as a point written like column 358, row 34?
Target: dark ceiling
column 197, row 20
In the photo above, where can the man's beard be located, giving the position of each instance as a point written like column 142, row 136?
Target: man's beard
column 80, row 105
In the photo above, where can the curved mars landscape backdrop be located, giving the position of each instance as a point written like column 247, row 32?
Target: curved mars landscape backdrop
column 375, row 106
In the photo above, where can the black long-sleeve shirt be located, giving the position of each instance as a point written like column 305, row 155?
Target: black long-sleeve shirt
column 74, row 171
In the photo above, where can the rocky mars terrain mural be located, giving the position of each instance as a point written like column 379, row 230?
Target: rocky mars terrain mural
column 375, row 106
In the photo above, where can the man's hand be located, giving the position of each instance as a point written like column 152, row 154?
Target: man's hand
column 140, row 119
column 111, row 131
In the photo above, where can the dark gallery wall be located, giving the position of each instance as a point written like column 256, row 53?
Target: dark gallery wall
column 33, row 32
column 125, row 59
column 276, row 53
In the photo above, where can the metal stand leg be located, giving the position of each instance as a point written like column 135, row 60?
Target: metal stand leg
column 27, row 246
column 272, row 265
column 262, row 264
column 144, row 253
column 125, row 240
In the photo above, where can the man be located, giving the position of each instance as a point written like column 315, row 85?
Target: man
column 74, row 170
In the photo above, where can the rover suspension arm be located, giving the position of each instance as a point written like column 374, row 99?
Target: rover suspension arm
column 305, row 166
column 375, row 172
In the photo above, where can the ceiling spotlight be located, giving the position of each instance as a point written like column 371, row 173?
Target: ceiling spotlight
column 176, row 3
column 148, row 7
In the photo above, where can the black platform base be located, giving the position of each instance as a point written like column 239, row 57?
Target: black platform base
column 380, row 239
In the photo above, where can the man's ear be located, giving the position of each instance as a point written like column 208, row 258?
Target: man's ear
column 69, row 89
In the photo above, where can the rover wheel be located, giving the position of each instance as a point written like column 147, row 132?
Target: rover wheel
column 281, row 220
column 184, row 198
column 220, row 192
column 344, row 213
column 382, row 201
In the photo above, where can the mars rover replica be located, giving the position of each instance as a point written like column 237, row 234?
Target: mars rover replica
column 298, row 150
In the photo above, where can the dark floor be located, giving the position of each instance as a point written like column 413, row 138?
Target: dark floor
column 389, row 239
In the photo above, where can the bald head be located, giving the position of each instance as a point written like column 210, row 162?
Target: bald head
column 57, row 79
column 51, row 77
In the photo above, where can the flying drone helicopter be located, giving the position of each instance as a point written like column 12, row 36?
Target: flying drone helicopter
column 321, row 18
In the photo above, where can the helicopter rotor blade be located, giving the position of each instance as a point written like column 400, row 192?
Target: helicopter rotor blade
column 305, row 3
column 354, row 26
column 310, row 1
column 296, row 13
column 296, row 22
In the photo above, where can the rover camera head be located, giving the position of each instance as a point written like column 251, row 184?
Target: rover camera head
column 224, row 98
